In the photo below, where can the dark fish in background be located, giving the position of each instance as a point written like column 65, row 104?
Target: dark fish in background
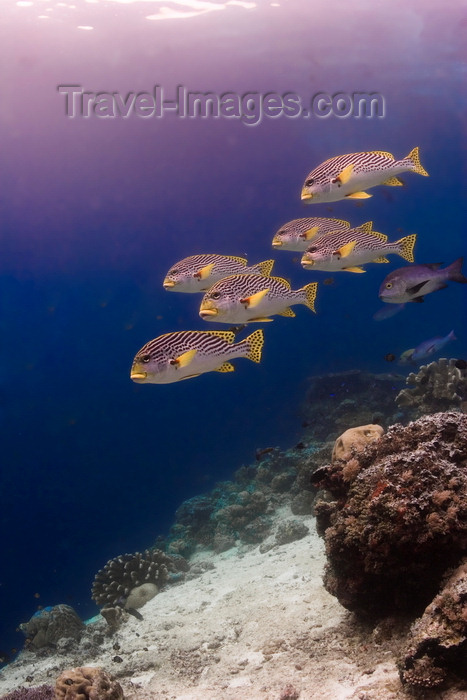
column 390, row 357
column 431, row 346
column 460, row 364
column 411, row 283
column 262, row 453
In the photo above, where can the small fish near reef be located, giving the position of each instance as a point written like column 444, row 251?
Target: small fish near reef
column 349, row 249
column 199, row 272
column 251, row 298
column 185, row 354
column 296, row 235
column 426, row 349
column 413, row 282
column 350, row 175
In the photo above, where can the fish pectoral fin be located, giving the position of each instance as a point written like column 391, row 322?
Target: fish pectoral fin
column 287, row 312
column 311, row 233
column 417, row 287
column 345, row 175
column 354, row 269
column 204, row 272
column 358, row 195
column 393, row 182
column 184, row 359
column 253, row 300
column 225, row 367
column 381, row 259
column 345, row 250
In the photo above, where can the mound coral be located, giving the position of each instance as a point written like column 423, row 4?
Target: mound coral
column 87, row 683
column 399, row 520
column 438, row 640
column 47, row 626
column 355, row 439
column 130, row 580
column 439, row 386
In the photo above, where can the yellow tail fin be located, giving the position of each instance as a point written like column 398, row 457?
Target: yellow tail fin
column 310, row 295
column 415, row 158
column 407, row 246
column 255, row 343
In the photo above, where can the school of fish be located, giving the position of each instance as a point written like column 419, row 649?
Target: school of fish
column 236, row 292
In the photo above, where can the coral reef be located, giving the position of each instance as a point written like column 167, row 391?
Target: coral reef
column 46, row 627
column 87, row 683
column 39, row 692
column 336, row 401
column 439, row 386
column 438, row 640
column 355, row 439
column 121, row 579
column 399, row 518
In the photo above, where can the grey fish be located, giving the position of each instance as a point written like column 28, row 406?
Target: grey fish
column 413, row 282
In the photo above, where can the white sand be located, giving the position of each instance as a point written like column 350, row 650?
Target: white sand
column 248, row 629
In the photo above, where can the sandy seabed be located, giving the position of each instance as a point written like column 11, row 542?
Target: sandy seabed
column 257, row 626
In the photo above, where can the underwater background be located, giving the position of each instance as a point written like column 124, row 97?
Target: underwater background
column 94, row 211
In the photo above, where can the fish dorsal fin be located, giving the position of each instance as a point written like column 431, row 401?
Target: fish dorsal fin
column 367, row 227
column 393, row 182
column 254, row 299
column 242, row 261
column 345, row 175
column 382, row 236
column 383, row 153
column 382, row 259
column 185, row 358
column 345, row 250
column 225, row 367
column 204, row 272
column 228, row 336
column 283, row 281
column 311, row 233
column 265, row 267
column 287, row 312
column 341, row 222
column 358, row 195
column 354, row 269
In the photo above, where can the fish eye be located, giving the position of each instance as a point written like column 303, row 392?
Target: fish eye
column 215, row 295
column 313, row 249
column 309, row 182
column 388, row 285
column 174, row 271
column 145, row 358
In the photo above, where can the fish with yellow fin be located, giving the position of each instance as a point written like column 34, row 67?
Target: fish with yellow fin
column 350, row 175
column 185, row 354
column 250, row 298
column 348, row 250
column 297, row 234
column 199, row 272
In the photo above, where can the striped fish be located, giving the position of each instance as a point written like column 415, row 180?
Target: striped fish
column 346, row 250
column 250, row 298
column 184, row 354
column 297, row 234
column 199, row 272
column 348, row 176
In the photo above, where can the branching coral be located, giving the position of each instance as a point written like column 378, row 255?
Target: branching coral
column 121, row 580
column 439, row 386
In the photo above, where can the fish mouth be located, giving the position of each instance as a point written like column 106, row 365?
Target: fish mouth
column 307, row 263
column 168, row 284
column 305, row 195
column 204, row 313
column 277, row 243
column 138, row 376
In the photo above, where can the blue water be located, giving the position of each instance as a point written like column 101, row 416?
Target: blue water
column 95, row 211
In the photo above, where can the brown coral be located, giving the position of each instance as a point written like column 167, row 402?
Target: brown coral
column 355, row 439
column 87, row 683
column 396, row 528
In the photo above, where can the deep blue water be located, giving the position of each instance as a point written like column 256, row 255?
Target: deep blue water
column 94, row 212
